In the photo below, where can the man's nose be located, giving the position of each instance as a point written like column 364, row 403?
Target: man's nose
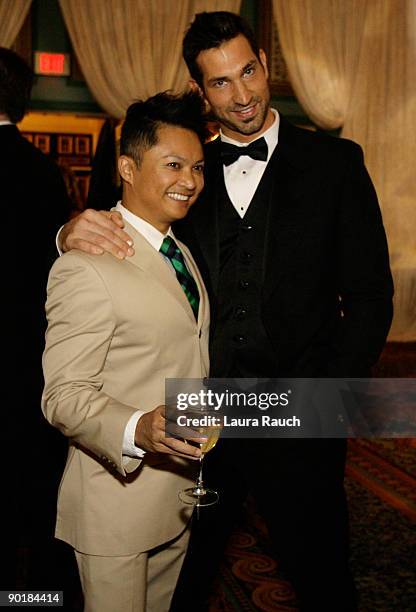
column 241, row 94
column 187, row 179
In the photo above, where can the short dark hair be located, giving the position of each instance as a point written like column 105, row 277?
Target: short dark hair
column 209, row 31
column 143, row 119
column 16, row 79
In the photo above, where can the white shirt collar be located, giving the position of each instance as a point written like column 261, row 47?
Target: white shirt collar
column 148, row 231
column 6, row 122
column 271, row 136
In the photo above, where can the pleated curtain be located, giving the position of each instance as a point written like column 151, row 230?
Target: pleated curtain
column 131, row 49
column 12, row 16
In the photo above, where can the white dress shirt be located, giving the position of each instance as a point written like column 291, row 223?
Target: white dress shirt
column 244, row 175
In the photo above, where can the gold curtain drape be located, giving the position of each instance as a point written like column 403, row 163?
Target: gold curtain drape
column 320, row 42
column 12, row 16
column 351, row 64
column 131, row 49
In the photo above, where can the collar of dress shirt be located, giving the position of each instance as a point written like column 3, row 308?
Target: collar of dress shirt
column 148, row 231
column 6, row 122
column 271, row 136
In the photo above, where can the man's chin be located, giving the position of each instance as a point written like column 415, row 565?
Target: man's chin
column 248, row 126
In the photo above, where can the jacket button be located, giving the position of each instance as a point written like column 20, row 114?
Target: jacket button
column 246, row 256
column 244, row 284
column 247, row 228
column 240, row 312
column 240, row 340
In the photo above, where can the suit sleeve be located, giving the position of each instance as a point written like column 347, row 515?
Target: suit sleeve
column 365, row 283
column 81, row 326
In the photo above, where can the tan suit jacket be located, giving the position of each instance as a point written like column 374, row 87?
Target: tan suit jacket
column 116, row 330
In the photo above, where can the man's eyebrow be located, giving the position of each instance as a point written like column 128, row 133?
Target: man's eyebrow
column 217, row 78
column 250, row 64
column 184, row 159
column 173, row 155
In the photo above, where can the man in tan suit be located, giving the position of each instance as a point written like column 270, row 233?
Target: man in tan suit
column 116, row 331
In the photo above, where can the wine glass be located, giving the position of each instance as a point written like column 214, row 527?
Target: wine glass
column 199, row 495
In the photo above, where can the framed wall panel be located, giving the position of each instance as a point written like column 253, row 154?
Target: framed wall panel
column 268, row 38
column 73, row 154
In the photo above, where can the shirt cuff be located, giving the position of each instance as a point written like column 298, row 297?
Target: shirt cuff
column 129, row 447
column 57, row 241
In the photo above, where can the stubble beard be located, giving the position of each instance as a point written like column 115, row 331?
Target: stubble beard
column 248, row 126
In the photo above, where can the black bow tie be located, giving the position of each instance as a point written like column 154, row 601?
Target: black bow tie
column 256, row 149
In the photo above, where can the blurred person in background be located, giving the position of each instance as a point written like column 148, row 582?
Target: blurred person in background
column 34, row 204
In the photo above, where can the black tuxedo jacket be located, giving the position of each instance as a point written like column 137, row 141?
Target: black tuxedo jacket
column 327, row 292
column 34, row 204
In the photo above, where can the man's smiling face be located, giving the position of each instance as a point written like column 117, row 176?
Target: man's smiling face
column 168, row 179
column 235, row 85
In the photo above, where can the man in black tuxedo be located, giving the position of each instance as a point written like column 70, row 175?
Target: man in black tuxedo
column 289, row 238
column 34, row 205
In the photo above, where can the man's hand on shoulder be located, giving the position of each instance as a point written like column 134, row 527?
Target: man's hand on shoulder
column 151, row 437
column 97, row 232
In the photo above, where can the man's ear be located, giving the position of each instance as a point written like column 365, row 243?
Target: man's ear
column 126, row 166
column 193, row 86
column 263, row 61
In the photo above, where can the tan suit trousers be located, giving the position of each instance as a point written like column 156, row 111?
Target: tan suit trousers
column 144, row 582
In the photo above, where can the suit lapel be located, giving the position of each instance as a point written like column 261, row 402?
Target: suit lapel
column 147, row 259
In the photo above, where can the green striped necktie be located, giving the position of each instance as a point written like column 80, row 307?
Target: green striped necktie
column 171, row 250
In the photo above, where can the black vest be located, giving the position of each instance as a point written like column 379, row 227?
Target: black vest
column 240, row 346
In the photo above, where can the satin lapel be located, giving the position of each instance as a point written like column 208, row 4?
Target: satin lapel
column 147, row 259
column 288, row 168
column 204, row 216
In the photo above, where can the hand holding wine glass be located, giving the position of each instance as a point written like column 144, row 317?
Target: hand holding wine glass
column 151, row 436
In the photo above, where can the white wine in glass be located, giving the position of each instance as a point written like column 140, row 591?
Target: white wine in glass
column 212, row 434
column 199, row 495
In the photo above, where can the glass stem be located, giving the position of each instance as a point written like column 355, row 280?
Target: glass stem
column 199, row 481
column 199, row 488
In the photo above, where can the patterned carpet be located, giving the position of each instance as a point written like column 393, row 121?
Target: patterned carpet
column 381, row 488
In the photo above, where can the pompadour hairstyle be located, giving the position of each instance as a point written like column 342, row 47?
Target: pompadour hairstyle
column 209, row 31
column 143, row 120
column 16, row 79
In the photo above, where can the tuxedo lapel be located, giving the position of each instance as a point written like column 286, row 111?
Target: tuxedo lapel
column 286, row 173
column 204, row 216
column 150, row 261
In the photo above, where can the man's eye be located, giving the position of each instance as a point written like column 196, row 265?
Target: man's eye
column 174, row 165
column 199, row 167
column 249, row 71
column 219, row 83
